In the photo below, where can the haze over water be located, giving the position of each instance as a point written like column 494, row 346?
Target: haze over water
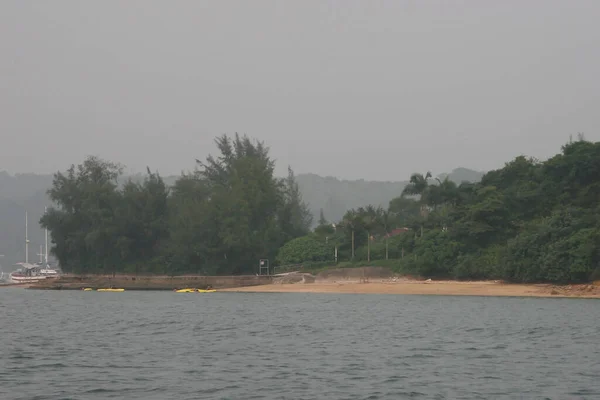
column 158, row 345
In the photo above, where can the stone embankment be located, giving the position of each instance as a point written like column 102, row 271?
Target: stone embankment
column 130, row 282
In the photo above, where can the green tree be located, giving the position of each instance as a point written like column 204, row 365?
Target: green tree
column 194, row 245
column 305, row 249
column 403, row 211
column 256, row 212
column 419, row 186
column 528, row 221
column 295, row 217
column 322, row 220
column 82, row 225
column 142, row 220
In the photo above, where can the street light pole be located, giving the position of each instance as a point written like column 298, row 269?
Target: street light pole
column 352, row 244
column 335, row 251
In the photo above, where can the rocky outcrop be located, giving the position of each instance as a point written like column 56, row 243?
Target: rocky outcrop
column 582, row 290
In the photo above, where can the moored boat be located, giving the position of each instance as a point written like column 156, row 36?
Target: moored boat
column 27, row 273
column 44, row 265
column 32, row 273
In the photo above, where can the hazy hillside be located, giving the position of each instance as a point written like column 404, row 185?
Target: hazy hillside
column 336, row 196
column 460, row 175
column 27, row 192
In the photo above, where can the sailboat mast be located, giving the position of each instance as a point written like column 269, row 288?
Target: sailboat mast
column 26, row 241
column 46, row 234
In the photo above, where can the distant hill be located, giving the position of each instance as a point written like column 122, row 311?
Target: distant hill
column 460, row 175
column 336, row 196
column 27, row 192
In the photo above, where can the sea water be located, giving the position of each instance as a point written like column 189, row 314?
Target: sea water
column 165, row 345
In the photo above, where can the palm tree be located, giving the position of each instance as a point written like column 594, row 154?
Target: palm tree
column 448, row 192
column 419, row 186
column 350, row 221
column 449, row 197
column 384, row 219
column 371, row 220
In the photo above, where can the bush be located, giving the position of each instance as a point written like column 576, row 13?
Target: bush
column 377, row 252
column 436, row 254
column 554, row 249
column 480, row 265
column 305, row 249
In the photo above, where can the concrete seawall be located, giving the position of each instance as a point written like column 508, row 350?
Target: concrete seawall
column 128, row 282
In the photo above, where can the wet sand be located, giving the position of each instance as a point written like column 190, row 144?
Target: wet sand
column 430, row 288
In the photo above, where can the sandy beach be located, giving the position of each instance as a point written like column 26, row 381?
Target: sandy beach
column 430, row 288
column 374, row 280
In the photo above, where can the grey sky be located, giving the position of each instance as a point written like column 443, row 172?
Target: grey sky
column 355, row 89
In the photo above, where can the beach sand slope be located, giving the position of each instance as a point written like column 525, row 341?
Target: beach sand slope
column 415, row 287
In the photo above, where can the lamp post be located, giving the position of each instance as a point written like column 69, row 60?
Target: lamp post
column 335, row 252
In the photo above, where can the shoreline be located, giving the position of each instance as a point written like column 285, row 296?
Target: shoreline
column 444, row 288
column 329, row 284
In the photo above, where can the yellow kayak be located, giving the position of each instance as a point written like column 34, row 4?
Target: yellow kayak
column 187, row 290
column 111, row 290
column 87, row 289
column 206, row 290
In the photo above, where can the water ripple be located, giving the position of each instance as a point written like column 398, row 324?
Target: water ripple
column 155, row 345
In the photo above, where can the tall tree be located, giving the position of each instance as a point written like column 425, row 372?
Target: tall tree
column 296, row 218
column 247, row 201
column 194, row 245
column 83, row 226
column 403, row 211
column 322, row 219
column 371, row 220
column 142, row 217
column 418, row 186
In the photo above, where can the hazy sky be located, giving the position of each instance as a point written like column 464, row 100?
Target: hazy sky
column 354, row 89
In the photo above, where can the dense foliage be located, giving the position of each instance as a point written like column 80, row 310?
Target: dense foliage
column 220, row 219
column 307, row 248
column 27, row 192
column 530, row 221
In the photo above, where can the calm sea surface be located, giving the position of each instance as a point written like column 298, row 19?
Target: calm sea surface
column 164, row 345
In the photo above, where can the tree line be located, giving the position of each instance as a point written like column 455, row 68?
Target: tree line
column 219, row 219
column 529, row 221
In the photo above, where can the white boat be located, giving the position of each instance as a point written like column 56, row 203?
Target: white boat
column 27, row 273
column 30, row 273
column 43, row 265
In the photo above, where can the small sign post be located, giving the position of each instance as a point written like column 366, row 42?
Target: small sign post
column 263, row 266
